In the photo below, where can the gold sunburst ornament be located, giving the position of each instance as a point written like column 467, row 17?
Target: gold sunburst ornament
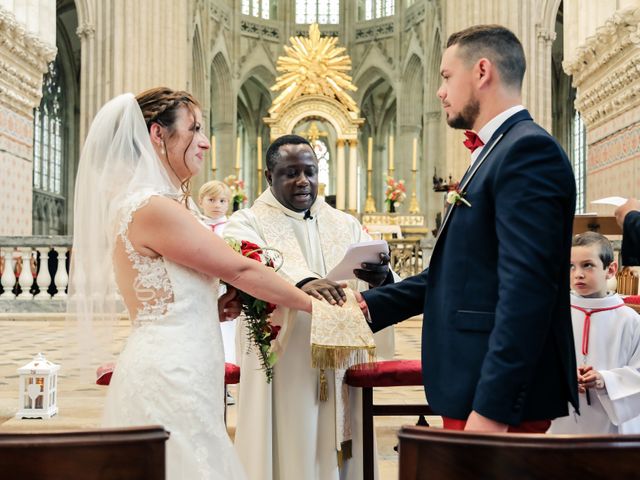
column 313, row 66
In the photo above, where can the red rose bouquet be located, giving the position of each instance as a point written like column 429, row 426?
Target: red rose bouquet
column 260, row 330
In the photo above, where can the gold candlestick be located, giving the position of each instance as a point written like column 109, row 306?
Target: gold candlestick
column 259, row 146
column 413, row 205
column 370, row 204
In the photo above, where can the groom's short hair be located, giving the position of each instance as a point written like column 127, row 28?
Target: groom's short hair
column 496, row 43
column 273, row 152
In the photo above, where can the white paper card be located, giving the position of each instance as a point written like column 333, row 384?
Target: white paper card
column 358, row 253
column 615, row 201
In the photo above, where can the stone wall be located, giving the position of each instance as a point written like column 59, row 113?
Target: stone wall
column 24, row 57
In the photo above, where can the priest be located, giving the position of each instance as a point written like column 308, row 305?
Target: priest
column 305, row 424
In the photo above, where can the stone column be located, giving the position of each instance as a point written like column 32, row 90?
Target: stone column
column 27, row 45
column 340, row 176
column 135, row 46
column 353, row 175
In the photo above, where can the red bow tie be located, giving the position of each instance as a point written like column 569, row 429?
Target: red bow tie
column 473, row 140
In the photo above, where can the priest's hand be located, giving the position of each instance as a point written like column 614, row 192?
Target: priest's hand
column 324, row 289
column 229, row 305
column 478, row 423
column 629, row 206
column 374, row 273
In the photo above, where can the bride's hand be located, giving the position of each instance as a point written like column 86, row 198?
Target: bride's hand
column 229, row 305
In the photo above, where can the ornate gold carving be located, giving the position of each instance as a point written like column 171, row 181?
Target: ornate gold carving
column 308, row 106
column 313, row 66
column 314, row 133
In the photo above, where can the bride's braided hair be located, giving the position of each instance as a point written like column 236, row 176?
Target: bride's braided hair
column 160, row 105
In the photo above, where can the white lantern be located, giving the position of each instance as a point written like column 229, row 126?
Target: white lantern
column 38, row 388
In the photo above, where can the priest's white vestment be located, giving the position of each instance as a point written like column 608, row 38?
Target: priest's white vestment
column 284, row 432
column 614, row 351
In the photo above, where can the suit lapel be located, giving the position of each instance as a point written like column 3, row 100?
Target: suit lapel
column 470, row 173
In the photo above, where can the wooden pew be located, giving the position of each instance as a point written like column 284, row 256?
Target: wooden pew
column 435, row 454
column 123, row 454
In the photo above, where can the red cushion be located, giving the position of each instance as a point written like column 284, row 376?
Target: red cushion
column 231, row 374
column 633, row 299
column 104, row 373
column 391, row 373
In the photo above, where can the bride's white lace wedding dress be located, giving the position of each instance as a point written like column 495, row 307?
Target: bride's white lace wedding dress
column 171, row 370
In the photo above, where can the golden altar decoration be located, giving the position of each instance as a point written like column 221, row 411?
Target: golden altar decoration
column 314, row 85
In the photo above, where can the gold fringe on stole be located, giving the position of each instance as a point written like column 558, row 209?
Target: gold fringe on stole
column 345, row 452
column 332, row 357
column 323, row 394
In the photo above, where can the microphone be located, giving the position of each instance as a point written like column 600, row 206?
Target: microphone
column 307, row 215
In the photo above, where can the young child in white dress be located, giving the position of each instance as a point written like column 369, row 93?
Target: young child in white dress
column 214, row 198
column 607, row 342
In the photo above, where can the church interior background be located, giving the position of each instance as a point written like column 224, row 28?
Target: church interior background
column 61, row 60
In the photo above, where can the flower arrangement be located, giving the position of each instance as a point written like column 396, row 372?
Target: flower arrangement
column 236, row 185
column 260, row 331
column 395, row 194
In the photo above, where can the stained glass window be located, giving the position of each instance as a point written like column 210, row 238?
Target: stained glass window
column 378, row 8
column 317, row 11
column 579, row 161
column 47, row 124
column 256, row 8
column 322, row 153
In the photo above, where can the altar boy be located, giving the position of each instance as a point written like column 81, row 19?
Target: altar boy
column 607, row 341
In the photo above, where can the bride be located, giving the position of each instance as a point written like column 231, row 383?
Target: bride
column 135, row 234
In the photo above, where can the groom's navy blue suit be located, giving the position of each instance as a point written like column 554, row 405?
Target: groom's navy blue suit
column 497, row 334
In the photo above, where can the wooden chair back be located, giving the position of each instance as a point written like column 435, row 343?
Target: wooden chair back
column 123, row 454
column 436, row 454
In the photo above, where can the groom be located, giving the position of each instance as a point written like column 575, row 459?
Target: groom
column 497, row 342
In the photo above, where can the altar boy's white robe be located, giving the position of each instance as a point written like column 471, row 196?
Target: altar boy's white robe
column 283, row 431
column 614, row 351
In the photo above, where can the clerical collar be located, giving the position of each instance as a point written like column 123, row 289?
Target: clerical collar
column 270, row 199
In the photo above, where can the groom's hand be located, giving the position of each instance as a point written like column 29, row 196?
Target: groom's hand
column 374, row 273
column 324, row 289
column 229, row 305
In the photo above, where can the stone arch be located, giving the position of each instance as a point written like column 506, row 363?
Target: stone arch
column 221, row 91
column 413, row 90
column 548, row 13
column 328, row 109
column 198, row 73
column 85, row 12
column 260, row 63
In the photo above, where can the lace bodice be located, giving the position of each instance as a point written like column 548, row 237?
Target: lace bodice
column 153, row 285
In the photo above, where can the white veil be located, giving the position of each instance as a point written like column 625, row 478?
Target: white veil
column 117, row 164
